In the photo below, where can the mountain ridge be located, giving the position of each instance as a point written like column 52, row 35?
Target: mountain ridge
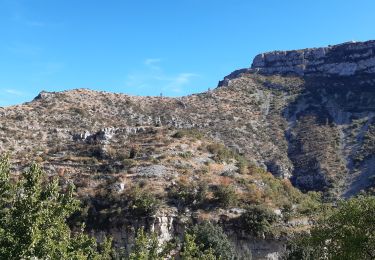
column 345, row 59
column 250, row 96
column 256, row 131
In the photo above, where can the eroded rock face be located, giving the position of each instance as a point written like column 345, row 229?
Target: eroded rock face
column 169, row 224
column 345, row 59
column 326, row 96
column 104, row 135
column 43, row 95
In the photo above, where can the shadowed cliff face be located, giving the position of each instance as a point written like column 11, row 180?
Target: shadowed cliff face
column 329, row 118
column 322, row 128
column 327, row 142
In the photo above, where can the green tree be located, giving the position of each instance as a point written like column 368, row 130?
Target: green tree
column 211, row 239
column 189, row 194
column 226, row 196
column 147, row 247
column 258, row 220
column 193, row 251
column 142, row 203
column 33, row 220
column 347, row 232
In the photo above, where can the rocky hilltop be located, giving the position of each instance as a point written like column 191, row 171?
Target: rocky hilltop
column 304, row 116
column 345, row 59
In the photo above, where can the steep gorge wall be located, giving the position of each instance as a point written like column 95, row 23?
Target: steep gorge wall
column 328, row 119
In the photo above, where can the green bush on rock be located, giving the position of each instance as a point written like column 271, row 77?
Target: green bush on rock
column 208, row 239
column 258, row 220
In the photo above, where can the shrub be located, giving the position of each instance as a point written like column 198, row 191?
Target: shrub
column 134, row 151
column 242, row 164
column 129, row 163
column 225, row 195
column 345, row 232
column 191, row 250
column 257, row 220
column 220, row 152
column 146, row 247
column 141, row 203
column 212, row 237
column 189, row 194
column 186, row 155
column 189, row 133
column 311, row 203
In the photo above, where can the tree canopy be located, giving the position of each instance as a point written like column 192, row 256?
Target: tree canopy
column 345, row 232
column 33, row 219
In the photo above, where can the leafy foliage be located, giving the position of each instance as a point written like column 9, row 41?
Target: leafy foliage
column 311, row 203
column 221, row 152
column 189, row 194
column 242, row 164
column 146, row 247
column 193, row 251
column 142, row 203
column 226, row 196
column 209, row 239
column 258, row 220
column 347, row 232
column 33, row 220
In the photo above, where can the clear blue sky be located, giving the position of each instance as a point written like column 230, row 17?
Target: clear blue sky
column 176, row 47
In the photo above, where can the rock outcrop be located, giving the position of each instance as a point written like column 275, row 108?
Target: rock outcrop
column 345, row 59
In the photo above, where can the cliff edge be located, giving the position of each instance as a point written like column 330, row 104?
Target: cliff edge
column 345, row 59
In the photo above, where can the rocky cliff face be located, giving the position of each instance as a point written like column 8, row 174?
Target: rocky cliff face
column 346, row 59
column 326, row 144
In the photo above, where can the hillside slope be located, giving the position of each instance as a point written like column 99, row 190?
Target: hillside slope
column 315, row 126
column 306, row 115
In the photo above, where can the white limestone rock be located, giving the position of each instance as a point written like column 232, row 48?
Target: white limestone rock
column 345, row 59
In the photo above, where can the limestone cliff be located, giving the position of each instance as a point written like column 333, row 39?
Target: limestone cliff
column 329, row 116
column 345, row 59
